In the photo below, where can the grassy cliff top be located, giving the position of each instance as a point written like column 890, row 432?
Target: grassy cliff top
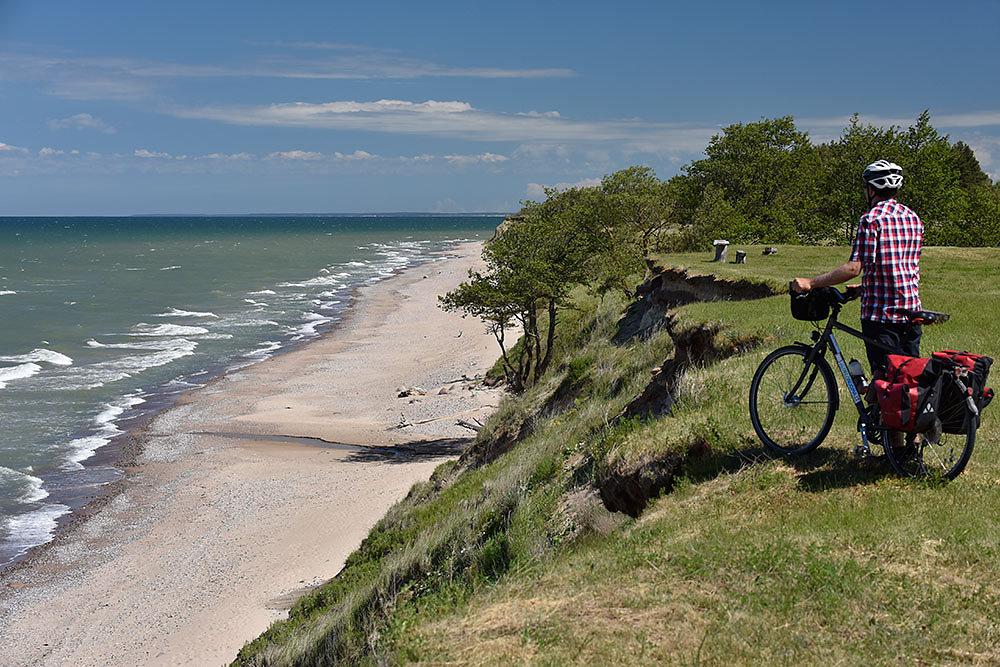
column 745, row 559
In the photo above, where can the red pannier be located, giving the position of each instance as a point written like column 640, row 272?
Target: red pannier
column 908, row 396
column 972, row 371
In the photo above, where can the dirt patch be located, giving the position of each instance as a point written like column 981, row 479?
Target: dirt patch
column 629, row 490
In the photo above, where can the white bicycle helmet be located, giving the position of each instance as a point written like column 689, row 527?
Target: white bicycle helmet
column 883, row 174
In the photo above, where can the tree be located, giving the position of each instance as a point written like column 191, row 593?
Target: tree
column 715, row 218
column 769, row 173
column 637, row 202
column 531, row 265
column 843, row 196
column 979, row 225
column 970, row 173
column 631, row 210
column 930, row 175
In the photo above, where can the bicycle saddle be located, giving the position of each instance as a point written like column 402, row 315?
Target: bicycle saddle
column 921, row 316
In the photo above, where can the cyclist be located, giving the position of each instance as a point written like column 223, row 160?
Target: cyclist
column 887, row 249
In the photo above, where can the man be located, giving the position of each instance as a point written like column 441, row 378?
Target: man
column 887, row 250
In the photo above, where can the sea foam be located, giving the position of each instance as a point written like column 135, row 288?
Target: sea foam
column 143, row 329
column 18, row 373
column 81, row 449
column 32, row 528
column 162, row 352
column 176, row 312
column 39, row 355
column 28, row 486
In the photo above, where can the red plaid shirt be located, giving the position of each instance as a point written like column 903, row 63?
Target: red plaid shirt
column 888, row 246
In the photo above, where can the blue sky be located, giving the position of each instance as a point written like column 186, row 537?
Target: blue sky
column 122, row 107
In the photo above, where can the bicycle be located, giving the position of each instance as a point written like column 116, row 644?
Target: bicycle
column 794, row 398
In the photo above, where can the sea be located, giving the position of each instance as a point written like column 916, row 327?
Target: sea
column 104, row 321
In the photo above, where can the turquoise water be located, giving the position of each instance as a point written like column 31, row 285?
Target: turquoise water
column 103, row 319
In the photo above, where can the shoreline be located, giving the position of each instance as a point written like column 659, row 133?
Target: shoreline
column 120, row 453
column 219, row 527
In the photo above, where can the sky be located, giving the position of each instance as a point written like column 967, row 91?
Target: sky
column 123, row 107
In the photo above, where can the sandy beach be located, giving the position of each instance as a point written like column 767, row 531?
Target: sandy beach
column 242, row 499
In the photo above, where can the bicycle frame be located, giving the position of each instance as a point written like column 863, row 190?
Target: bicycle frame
column 819, row 349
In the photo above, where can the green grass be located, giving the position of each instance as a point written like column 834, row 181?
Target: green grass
column 819, row 559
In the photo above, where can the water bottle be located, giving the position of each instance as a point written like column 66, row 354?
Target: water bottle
column 858, row 375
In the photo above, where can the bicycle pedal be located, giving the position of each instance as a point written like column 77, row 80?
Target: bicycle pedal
column 861, row 452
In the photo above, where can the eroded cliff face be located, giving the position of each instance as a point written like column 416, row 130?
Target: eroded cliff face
column 666, row 289
column 629, row 488
column 669, row 288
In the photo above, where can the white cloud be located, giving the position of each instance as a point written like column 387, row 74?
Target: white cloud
column 222, row 156
column 488, row 158
column 82, row 121
column 303, row 110
column 143, row 153
column 537, row 190
column 295, row 155
column 825, row 129
column 973, row 119
column 7, row 148
column 458, row 119
column 544, row 151
column 356, row 155
column 68, row 74
column 51, row 151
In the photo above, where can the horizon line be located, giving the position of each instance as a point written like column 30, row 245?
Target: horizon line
column 382, row 214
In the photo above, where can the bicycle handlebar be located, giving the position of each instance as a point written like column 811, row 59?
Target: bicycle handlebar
column 913, row 316
column 836, row 296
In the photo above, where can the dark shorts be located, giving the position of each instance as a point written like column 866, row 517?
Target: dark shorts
column 901, row 338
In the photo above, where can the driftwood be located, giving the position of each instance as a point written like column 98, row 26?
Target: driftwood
column 403, row 422
column 469, row 425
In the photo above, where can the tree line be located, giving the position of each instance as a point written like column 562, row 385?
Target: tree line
column 766, row 182
column 759, row 183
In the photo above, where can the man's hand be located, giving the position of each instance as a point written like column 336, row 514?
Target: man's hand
column 800, row 285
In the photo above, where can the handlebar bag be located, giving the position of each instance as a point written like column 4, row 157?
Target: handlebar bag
column 972, row 372
column 811, row 306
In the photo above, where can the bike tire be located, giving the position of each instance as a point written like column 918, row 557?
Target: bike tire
column 789, row 424
column 927, row 456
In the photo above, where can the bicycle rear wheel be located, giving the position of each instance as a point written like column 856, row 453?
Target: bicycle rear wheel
column 935, row 454
column 792, row 403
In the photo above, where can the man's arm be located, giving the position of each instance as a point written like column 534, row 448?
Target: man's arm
column 841, row 274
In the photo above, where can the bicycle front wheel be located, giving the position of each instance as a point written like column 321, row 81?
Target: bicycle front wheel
column 934, row 454
column 792, row 402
